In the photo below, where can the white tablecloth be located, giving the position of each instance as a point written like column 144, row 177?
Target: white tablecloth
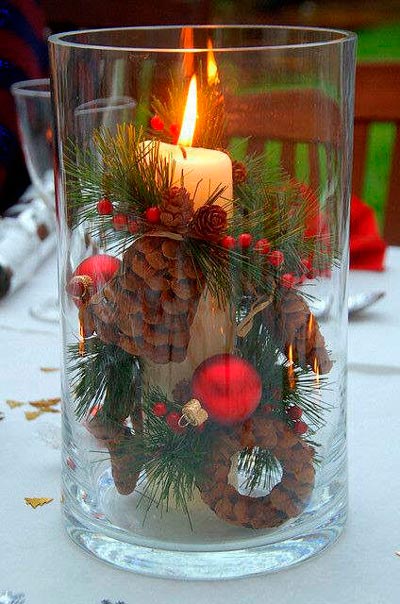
column 38, row 559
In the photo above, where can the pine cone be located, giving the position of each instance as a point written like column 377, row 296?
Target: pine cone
column 148, row 307
column 293, row 323
column 182, row 391
column 209, row 222
column 239, row 172
column 176, row 209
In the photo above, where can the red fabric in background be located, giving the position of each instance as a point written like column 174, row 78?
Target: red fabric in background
column 367, row 248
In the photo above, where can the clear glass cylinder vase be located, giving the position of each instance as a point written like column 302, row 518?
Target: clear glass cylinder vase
column 203, row 183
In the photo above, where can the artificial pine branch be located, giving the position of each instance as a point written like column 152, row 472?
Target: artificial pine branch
column 105, row 376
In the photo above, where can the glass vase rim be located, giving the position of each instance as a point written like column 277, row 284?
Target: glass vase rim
column 343, row 36
column 32, row 88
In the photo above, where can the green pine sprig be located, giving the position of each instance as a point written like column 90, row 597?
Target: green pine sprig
column 104, row 376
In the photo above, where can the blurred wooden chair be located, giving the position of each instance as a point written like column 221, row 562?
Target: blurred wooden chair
column 378, row 101
column 310, row 118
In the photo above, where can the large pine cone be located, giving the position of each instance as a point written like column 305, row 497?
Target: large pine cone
column 176, row 209
column 148, row 307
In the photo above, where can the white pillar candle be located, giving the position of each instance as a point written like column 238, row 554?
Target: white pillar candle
column 201, row 171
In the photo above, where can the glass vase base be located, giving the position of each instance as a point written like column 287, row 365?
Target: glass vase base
column 204, row 565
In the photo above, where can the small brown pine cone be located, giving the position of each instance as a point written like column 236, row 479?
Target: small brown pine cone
column 239, row 172
column 176, row 209
column 209, row 222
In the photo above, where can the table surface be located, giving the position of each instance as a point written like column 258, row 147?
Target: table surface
column 38, row 559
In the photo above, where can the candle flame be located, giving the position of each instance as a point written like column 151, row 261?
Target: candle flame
column 187, row 42
column 189, row 116
column 81, row 346
column 49, row 135
column 310, row 326
column 316, row 371
column 291, row 376
column 212, row 71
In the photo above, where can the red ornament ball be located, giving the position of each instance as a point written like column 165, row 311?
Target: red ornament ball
column 100, row 268
column 173, row 422
column 245, row 240
column 295, row 412
column 159, row 409
column 228, row 242
column 276, row 258
column 228, row 387
column 156, row 123
column 105, row 207
column 152, row 215
column 300, row 428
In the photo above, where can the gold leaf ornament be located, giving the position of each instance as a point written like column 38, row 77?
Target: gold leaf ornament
column 14, row 404
column 36, row 502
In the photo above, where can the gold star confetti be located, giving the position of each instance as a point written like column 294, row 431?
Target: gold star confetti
column 49, row 410
column 49, row 369
column 45, row 403
column 35, row 502
column 13, row 404
column 30, row 415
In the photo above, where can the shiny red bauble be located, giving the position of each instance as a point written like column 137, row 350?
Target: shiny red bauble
column 228, row 387
column 100, row 268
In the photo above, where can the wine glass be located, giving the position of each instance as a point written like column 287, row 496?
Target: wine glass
column 35, row 120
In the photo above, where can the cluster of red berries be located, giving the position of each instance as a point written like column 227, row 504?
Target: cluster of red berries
column 275, row 258
column 157, row 124
column 172, row 418
column 124, row 222
column 294, row 413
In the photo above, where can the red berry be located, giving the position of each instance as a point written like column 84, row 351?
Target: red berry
column 276, row 258
column 268, row 408
column 156, row 123
column 173, row 422
column 120, row 221
column 152, row 215
column 262, row 246
column 287, row 280
column 159, row 409
column 105, row 207
column 228, row 242
column 300, row 427
column 245, row 240
column 294, row 412
column 306, row 262
column 133, row 226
